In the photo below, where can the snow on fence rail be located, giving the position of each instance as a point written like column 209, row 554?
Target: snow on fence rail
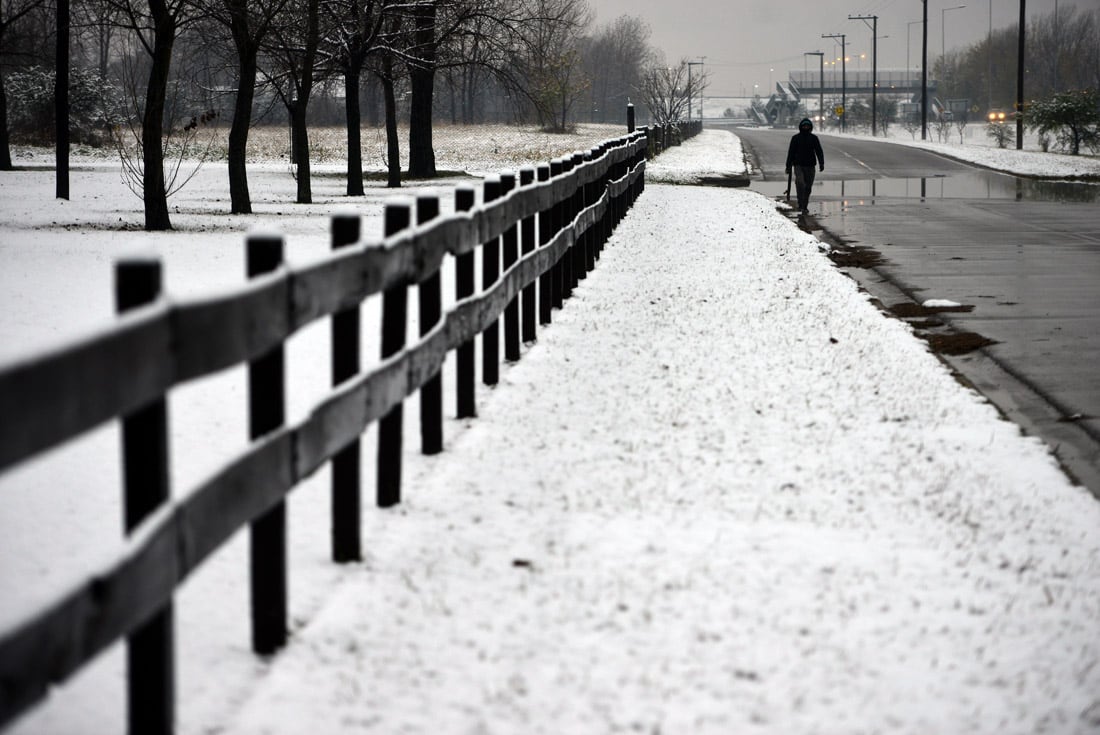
column 49, row 398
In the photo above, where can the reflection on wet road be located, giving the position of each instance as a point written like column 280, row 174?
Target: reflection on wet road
column 1024, row 253
column 960, row 185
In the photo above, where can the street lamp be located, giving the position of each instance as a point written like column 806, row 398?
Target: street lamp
column 843, row 78
column 874, row 67
column 943, row 35
column 989, row 53
column 691, row 89
column 908, row 37
column 924, row 72
column 821, row 88
column 1020, row 78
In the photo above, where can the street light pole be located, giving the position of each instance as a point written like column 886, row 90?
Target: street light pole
column 821, row 85
column 1020, row 80
column 908, row 38
column 874, row 67
column 924, row 74
column 989, row 48
column 943, row 44
column 843, row 78
column 691, row 90
column 943, row 37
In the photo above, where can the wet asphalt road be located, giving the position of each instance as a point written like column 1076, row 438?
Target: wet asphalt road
column 1024, row 254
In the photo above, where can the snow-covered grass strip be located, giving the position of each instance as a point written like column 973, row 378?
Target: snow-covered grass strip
column 750, row 503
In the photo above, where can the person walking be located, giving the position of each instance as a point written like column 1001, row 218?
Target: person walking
column 802, row 154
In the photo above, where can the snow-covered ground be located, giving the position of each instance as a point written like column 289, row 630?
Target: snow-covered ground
column 721, row 493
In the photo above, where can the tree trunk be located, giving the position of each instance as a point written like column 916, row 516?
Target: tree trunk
column 301, row 145
column 393, row 144
column 454, row 100
column 61, row 100
column 370, row 92
column 421, row 150
column 422, row 88
column 152, row 134
column 5, row 143
column 298, row 111
column 240, row 199
column 354, row 120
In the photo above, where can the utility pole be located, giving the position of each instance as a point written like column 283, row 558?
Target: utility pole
column 924, row 74
column 1020, row 80
column 821, row 85
column 691, row 89
column 843, row 78
column 874, row 67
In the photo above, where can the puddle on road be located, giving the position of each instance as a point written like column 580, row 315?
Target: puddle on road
column 968, row 185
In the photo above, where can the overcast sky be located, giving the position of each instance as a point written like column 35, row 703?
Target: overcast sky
column 744, row 40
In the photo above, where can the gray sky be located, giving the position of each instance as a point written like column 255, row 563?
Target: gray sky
column 743, row 40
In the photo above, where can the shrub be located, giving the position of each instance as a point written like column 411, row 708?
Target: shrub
column 1002, row 133
column 1073, row 118
column 94, row 106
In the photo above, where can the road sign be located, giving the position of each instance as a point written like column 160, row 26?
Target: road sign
column 838, row 110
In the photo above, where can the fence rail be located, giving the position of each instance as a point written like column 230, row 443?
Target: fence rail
column 49, row 398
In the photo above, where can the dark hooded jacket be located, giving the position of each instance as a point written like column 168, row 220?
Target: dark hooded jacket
column 805, row 148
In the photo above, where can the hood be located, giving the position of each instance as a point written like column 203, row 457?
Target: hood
column 804, row 122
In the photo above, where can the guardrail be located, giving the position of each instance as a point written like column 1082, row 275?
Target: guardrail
column 547, row 229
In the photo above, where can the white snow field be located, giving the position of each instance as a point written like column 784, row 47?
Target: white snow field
column 722, row 493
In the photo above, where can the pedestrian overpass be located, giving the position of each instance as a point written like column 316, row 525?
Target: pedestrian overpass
column 834, row 81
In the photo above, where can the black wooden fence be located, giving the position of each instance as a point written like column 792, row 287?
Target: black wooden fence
column 549, row 227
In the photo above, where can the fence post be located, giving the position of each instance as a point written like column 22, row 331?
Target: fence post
column 267, row 412
column 527, row 237
column 557, row 213
column 581, row 245
column 346, row 490
column 608, row 224
column 430, row 302
column 620, row 205
column 394, row 325
column 546, row 233
column 630, row 117
column 509, row 244
column 566, row 262
column 605, row 180
column 490, row 272
column 591, row 237
column 631, row 162
column 151, row 701
column 466, row 381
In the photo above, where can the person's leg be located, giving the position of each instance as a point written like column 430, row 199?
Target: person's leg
column 808, row 175
column 800, row 187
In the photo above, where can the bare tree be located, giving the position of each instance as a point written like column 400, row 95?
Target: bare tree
column 960, row 119
column 11, row 12
column 293, row 50
column 96, row 25
column 468, row 65
column 248, row 22
column 615, row 59
column 357, row 28
column 156, row 25
column 666, row 90
column 183, row 127
column 549, row 59
column 385, row 69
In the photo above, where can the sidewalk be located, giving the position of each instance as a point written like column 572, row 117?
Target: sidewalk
column 722, row 494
